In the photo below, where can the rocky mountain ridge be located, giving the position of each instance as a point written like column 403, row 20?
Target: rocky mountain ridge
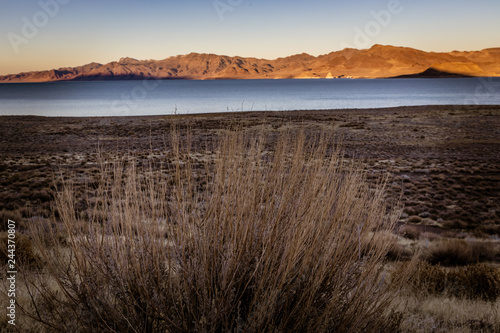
column 379, row 61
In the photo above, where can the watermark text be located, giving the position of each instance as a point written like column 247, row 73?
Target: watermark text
column 382, row 19
column 11, row 272
column 31, row 26
column 223, row 6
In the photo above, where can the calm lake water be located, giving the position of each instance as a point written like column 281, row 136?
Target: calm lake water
column 151, row 97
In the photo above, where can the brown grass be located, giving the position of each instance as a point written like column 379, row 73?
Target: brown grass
column 409, row 231
column 452, row 299
column 440, row 314
column 480, row 281
column 25, row 254
column 280, row 242
column 459, row 252
column 6, row 215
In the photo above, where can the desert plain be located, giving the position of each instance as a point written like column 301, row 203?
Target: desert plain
column 441, row 164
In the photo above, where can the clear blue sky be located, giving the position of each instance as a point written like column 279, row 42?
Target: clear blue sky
column 82, row 31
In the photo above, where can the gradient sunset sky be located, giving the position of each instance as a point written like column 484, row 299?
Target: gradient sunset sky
column 80, row 32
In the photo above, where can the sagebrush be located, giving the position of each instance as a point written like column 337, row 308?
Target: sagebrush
column 262, row 237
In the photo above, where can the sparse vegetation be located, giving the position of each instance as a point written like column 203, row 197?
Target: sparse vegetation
column 6, row 215
column 478, row 281
column 24, row 251
column 459, row 252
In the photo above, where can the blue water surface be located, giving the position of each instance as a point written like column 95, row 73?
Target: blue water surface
column 152, row 97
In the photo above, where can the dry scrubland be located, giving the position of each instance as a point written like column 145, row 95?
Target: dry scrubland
column 257, row 222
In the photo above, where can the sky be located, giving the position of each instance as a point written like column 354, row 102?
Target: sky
column 48, row 34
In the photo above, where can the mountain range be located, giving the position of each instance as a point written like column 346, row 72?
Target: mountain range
column 380, row 61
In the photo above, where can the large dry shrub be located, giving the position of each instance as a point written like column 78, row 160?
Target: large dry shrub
column 280, row 240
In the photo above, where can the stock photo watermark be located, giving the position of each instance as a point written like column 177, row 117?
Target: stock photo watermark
column 131, row 100
column 381, row 19
column 31, row 26
column 223, row 6
column 486, row 89
column 11, row 272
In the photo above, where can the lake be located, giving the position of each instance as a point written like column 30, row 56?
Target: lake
column 152, row 97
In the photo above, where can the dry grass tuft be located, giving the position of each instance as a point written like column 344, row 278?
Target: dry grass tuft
column 25, row 253
column 280, row 242
column 439, row 314
column 6, row 215
column 480, row 281
column 410, row 231
column 459, row 252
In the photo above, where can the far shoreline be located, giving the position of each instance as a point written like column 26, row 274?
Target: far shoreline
column 402, row 108
column 144, row 78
